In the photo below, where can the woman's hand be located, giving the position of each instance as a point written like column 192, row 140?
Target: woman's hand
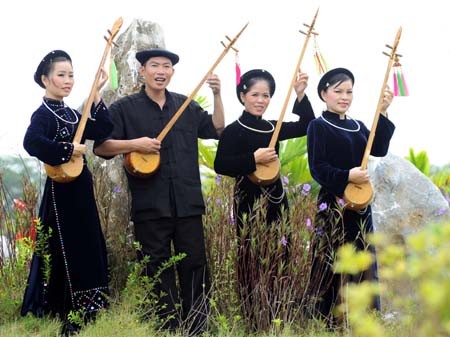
column 103, row 79
column 265, row 155
column 300, row 85
column 387, row 100
column 358, row 176
column 78, row 150
column 101, row 82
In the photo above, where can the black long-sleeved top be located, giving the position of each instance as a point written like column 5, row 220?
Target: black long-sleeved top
column 235, row 156
column 332, row 152
column 175, row 188
column 49, row 138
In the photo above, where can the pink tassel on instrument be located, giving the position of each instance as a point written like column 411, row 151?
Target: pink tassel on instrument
column 394, row 77
column 238, row 69
column 400, row 87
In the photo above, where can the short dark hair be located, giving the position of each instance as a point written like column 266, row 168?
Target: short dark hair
column 249, row 79
column 338, row 79
column 333, row 76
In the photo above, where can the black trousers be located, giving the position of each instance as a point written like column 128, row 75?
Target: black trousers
column 156, row 237
column 331, row 232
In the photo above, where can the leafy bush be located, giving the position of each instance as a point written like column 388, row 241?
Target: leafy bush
column 423, row 263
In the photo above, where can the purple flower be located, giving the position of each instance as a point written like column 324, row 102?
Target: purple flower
column 116, row 189
column 319, row 231
column 341, row 202
column 323, row 206
column 441, row 211
column 309, row 224
column 285, row 180
column 217, row 178
column 283, row 241
column 218, row 202
column 232, row 219
column 306, row 188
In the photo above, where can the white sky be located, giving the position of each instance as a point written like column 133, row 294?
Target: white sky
column 352, row 34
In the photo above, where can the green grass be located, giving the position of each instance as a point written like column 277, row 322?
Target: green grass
column 423, row 263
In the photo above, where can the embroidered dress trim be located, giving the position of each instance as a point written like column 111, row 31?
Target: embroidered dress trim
column 61, row 241
column 92, row 299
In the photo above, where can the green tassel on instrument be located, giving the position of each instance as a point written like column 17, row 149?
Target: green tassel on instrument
column 400, row 83
column 113, row 78
column 400, row 87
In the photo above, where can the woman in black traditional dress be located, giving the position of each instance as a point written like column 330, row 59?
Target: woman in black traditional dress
column 75, row 278
column 243, row 144
column 336, row 145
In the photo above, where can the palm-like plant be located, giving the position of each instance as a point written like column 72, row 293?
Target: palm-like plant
column 294, row 160
column 420, row 160
column 440, row 176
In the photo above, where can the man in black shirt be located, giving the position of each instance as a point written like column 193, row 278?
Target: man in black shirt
column 167, row 206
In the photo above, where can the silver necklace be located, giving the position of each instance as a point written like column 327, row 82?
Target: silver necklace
column 257, row 130
column 273, row 199
column 358, row 127
column 57, row 116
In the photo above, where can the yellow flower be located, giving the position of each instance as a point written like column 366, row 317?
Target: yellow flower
column 431, row 292
column 391, row 254
column 349, row 261
column 418, row 242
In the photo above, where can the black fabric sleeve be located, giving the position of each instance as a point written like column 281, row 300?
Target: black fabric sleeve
column 99, row 126
column 206, row 129
column 383, row 134
column 117, row 127
column 304, row 110
column 38, row 143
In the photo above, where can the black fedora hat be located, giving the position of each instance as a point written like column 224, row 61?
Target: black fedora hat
column 45, row 62
column 254, row 73
column 324, row 82
column 143, row 55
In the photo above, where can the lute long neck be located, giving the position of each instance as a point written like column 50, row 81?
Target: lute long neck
column 91, row 97
column 370, row 140
column 177, row 114
column 276, row 132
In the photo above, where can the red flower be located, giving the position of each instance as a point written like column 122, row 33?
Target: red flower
column 32, row 231
column 19, row 236
column 19, row 204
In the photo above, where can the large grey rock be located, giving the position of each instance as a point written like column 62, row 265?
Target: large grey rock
column 138, row 36
column 405, row 199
